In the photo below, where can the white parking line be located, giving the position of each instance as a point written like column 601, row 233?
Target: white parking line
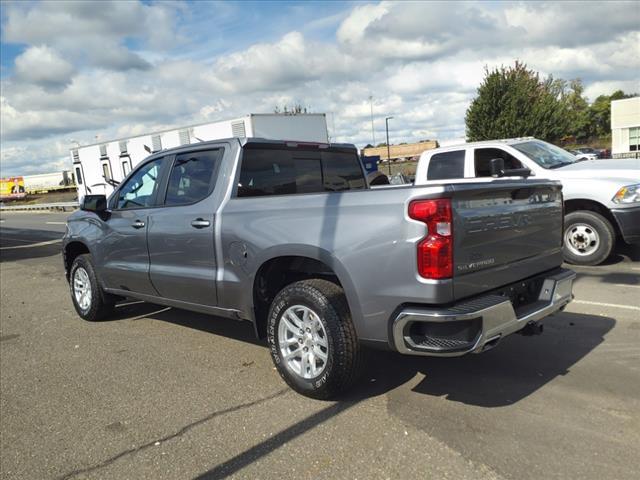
column 140, row 317
column 16, row 239
column 612, row 305
column 625, row 285
column 40, row 244
column 56, row 223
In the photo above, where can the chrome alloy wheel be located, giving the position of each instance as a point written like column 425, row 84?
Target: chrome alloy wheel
column 581, row 239
column 303, row 341
column 82, row 288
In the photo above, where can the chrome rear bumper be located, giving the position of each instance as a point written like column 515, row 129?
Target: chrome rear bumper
column 484, row 320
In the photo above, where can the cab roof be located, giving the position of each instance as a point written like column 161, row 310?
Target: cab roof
column 265, row 142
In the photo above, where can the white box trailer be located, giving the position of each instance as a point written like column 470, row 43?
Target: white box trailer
column 45, row 182
column 96, row 166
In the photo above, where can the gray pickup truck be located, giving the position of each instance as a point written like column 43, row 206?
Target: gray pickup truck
column 290, row 237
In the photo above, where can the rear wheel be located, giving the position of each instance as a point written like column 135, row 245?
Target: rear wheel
column 89, row 299
column 588, row 238
column 312, row 339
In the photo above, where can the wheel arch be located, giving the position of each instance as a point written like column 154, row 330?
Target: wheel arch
column 71, row 251
column 577, row 204
column 280, row 269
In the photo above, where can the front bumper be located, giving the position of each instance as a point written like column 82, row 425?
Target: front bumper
column 629, row 222
column 477, row 324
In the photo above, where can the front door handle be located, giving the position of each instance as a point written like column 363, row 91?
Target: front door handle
column 137, row 224
column 200, row 223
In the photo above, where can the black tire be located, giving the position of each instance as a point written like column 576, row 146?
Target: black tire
column 344, row 355
column 593, row 222
column 101, row 303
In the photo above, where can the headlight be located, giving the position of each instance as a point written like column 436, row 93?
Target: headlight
column 628, row 194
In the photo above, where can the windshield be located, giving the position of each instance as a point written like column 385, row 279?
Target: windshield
column 545, row 154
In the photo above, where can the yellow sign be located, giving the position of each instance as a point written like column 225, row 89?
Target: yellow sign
column 12, row 187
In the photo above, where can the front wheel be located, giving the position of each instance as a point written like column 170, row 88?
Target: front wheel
column 588, row 238
column 89, row 299
column 312, row 339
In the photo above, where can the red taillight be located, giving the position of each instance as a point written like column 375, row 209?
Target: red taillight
column 435, row 251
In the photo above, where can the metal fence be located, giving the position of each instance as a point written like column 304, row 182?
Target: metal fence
column 59, row 206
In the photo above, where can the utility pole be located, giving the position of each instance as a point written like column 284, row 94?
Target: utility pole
column 373, row 134
column 386, row 121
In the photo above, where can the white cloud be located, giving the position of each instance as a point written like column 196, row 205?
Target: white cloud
column 41, row 65
column 116, row 68
column 93, row 32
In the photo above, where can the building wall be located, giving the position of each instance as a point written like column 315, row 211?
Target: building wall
column 625, row 114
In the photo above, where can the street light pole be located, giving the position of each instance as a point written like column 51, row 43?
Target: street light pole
column 373, row 135
column 386, row 121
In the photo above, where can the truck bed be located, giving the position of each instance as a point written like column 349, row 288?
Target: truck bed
column 503, row 231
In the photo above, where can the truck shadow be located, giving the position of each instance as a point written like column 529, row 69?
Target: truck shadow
column 623, row 252
column 503, row 376
column 617, row 278
column 515, row 369
column 17, row 244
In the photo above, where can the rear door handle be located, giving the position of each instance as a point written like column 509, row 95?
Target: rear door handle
column 200, row 223
column 137, row 224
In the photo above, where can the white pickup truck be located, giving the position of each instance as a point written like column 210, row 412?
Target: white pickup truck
column 601, row 197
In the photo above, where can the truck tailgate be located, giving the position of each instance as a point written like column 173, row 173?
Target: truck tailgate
column 504, row 234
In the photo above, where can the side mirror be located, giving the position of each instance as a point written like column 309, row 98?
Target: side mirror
column 94, row 203
column 497, row 170
column 496, row 167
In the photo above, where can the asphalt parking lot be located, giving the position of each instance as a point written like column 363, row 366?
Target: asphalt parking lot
column 163, row 393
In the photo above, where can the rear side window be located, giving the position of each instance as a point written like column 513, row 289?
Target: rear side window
column 191, row 177
column 446, row 165
column 286, row 172
column 341, row 171
column 482, row 160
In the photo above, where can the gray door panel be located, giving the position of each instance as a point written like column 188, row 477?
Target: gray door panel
column 181, row 234
column 126, row 259
column 182, row 255
column 125, row 264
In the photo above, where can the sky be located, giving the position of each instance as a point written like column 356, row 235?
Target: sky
column 80, row 72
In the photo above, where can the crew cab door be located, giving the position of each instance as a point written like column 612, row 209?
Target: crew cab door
column 181, row 232
column 125, row 258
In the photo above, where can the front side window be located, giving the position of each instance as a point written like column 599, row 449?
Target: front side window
column 139, row 191
column 545, row 154
column 192, row 177
column 482, row 160
column 634, row 139
column 446, row 165
column 286, row 172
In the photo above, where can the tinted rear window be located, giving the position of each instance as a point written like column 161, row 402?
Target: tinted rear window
column 285, row 172
column 446, row 165
column 191, row 177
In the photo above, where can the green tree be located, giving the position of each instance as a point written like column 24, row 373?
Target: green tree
column 296, row 109
column 579, row 121
column 600, row 112
column 516, row 102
